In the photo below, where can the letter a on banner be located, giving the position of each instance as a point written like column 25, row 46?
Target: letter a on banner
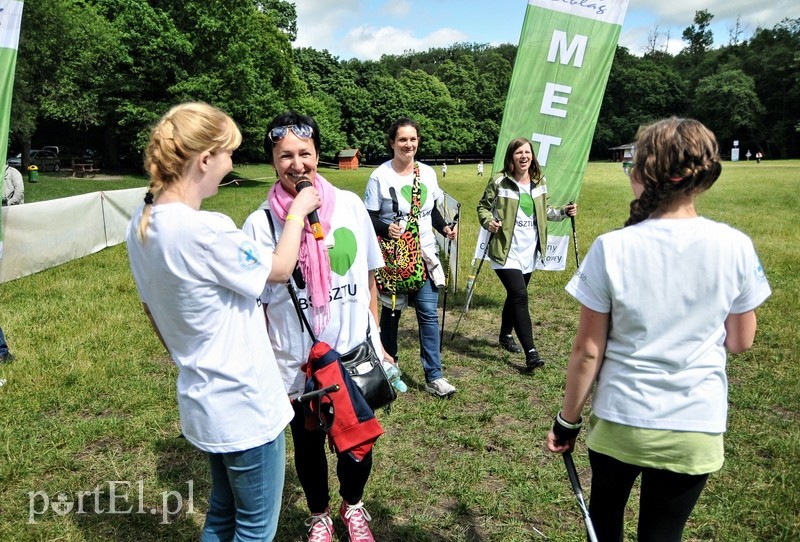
column 560, row 74
column 10, row 19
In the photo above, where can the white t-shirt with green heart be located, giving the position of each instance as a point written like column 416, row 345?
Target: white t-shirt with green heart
column 522, row 253
column 354, row 252
column 389, row 192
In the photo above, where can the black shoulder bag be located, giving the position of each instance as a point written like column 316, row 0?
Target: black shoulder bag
column 362, row 363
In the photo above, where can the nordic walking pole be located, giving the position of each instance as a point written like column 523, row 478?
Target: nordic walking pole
column 574, row 239
column 472, row 278
column 576, row 488
column 471, row 288
column 452, row 225
column 458, row 245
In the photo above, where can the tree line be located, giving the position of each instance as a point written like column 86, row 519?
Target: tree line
column 103, row 71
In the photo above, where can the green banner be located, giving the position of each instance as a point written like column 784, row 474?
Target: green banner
column 560, row 74
column 10, row 19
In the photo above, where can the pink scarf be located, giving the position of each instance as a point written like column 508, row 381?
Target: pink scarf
column 315, row 265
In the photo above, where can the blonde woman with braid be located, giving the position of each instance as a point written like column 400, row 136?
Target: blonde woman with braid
column 199, row 279
column 662, row 302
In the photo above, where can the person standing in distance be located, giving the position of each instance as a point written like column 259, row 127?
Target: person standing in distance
column 199, row 278
column 662, row 299
column 13, row 187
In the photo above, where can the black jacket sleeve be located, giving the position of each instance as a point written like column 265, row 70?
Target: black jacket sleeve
column 438, row 221
column 381, row 227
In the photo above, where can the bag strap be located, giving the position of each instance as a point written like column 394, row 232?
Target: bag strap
column 292, row 292
column 416, row 193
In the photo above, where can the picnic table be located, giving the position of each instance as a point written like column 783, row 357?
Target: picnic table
column 87, row 169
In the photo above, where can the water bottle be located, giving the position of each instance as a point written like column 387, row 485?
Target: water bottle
column 394, row 377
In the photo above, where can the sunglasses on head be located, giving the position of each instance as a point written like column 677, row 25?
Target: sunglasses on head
column 303, row 131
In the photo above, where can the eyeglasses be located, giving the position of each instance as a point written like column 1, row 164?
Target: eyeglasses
column 303, row 131
column 627, row 167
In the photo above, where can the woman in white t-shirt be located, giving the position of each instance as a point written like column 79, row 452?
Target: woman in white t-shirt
column 387, row 196
column 199, row 279
column 335, row 286
column 679, row 290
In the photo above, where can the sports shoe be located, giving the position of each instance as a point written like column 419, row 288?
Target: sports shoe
column 440, row 388
column 532, row 359
column 6, row 358
column 508, row 343
column 320, row 527
column 356, row 519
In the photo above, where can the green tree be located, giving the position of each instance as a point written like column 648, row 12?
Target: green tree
column 727, row 103
column 771, row 59
column 66, row 51
column 698, row 37
column 283, row 15
column 211, row 51
column 639, row 91
column 152, row 57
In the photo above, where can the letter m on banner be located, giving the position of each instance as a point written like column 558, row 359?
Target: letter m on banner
column 10, row 19
column 560, row 74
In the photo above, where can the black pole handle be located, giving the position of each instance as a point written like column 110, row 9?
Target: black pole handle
column 316, row 394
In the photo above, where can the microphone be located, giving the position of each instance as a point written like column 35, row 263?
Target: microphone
column 313, row 219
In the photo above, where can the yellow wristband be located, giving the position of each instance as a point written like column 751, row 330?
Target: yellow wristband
column 295, row 217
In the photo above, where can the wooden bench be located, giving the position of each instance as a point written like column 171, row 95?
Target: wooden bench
column 84, row 170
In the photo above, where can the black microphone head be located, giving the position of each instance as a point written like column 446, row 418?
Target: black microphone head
column 304, row 182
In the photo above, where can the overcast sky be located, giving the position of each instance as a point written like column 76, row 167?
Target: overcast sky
column 366, row 29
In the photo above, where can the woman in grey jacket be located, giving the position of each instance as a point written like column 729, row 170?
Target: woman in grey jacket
column 515, row 212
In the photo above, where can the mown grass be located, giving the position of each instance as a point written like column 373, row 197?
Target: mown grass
column 90, row 399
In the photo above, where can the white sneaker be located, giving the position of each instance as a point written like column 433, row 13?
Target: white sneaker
column 440, row 388
column 320, row 527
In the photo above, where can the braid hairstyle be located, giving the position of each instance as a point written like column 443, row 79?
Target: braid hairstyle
column 535, row 171
column 674, row 158
column 184, row 132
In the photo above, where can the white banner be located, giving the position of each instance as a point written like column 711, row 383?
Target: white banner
column 48, row 233
column 450, row 209
column 554, row 258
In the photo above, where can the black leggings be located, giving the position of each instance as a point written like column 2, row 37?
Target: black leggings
column 311, row 463
column 515, row 309
column 666, row 499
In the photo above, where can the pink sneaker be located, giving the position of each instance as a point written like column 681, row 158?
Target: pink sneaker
column 320, row 527
column 356, row 519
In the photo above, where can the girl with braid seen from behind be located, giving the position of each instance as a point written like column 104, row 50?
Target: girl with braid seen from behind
column 199, row 279
column 681, row 292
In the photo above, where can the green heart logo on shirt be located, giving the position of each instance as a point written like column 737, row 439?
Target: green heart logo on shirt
column 526, row 204
column 423, row 194
column 343, row 252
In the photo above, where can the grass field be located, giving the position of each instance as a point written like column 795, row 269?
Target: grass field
column 90, row 425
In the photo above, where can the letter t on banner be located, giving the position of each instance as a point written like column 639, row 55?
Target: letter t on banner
column 563, row 61
column 10, row 19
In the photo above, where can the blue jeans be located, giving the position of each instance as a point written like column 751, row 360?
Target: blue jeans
column 246, row 490
column 426, row 301
column 3, row 345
